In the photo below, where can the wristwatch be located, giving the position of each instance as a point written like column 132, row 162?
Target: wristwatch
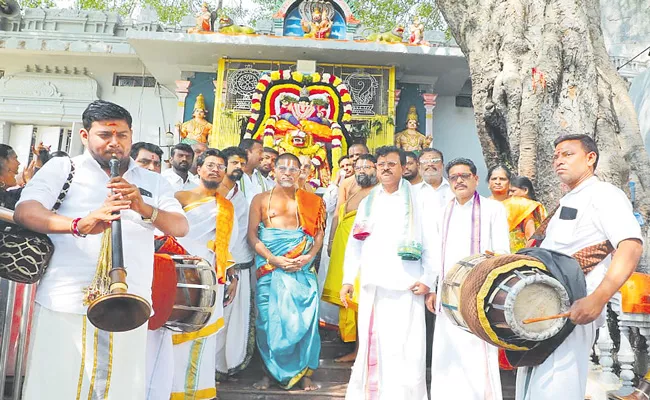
column 152, row 219
column 234, row 276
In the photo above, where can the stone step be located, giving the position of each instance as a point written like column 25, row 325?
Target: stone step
column 335, row 349
column 243, row 390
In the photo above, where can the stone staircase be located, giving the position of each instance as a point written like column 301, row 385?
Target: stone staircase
column 332, row 378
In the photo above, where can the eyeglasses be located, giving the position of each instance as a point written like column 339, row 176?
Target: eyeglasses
column 290, row 170
column 454, row 178
column 389, row 164
column 432, row 161
column 211, row 166
column 364, row 168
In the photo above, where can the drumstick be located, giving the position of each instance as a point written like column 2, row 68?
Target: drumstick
column 6, row 215
column 540, row 319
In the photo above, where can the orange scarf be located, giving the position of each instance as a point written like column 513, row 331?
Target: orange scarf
column 221, row 243
column 311, row 211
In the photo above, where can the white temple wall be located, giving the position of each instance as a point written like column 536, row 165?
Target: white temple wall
column 151, row 107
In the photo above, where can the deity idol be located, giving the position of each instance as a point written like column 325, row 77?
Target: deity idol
column 203, row 20
column 319, row 27
column 417, row 31
column 410, row 139
column 302, row 128
column 198, row 128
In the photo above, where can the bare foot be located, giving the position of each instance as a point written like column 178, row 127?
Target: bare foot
column 307, row 385
column 346, row 358
column 263, row 384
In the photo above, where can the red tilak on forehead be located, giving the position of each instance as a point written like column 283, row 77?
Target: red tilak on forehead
column 111, row 124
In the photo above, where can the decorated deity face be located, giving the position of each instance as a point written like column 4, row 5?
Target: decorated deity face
column 198, row 113
column 298, row 138
column 316, row 16
column 105, row 138
column 412, row 124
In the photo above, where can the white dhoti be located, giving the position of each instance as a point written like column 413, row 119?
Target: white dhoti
column 564, row 373
column 391, row 361
column 71, row 359
column 329, row 313
column 235, row 343
column 462, row 366
column 194, row 358
column 160, row 364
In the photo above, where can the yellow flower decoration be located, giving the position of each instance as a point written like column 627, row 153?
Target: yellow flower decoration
column 347, row 117
column 337, row 82
column 250, row 126
column 346, row 97
column 275, row 75
column 260, row 86
column 297, row 76
column 315, row 77
column 255, row 106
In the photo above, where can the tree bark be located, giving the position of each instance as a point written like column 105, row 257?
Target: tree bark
column 539, row 70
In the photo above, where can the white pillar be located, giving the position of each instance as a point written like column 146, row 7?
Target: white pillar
column 76, row 147
column 5, row 129
column 429, row 105
column 182, row 90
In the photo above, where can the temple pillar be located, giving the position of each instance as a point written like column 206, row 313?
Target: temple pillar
column 429, row 105
column 182, row 90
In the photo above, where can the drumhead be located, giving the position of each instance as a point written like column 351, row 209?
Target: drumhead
column 536, row 295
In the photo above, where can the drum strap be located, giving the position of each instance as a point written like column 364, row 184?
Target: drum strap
column 587, row 257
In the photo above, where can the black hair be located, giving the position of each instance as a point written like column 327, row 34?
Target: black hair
column 587, row 142
column 432, row 150
column 100, row 110
column 343, row 158
column 287, row 155
column 234, row 151
column 359, row 145
column 505, row 169
column 60, row 153
column 383, row 151
column 271, row 150
column 5, row 152
column 368, row 157
column 210, row 152
column 461, row 161
column 412, row 155
column 182, row 147
column 247, row 144
column 523, row 182
column 136, row 147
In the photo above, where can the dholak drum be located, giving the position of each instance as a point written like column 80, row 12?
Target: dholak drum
column 184, row 292
column 499, row 292
column 451, row 285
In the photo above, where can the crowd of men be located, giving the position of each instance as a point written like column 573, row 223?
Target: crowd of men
column 390, row 224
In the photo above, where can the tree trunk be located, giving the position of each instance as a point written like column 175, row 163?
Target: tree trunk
column 539, row 70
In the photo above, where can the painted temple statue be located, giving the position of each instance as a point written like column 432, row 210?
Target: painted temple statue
column 198, row 128
column 410, row 139
column 302, row 114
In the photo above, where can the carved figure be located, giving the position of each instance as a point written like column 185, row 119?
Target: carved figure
column 411, row 139
column 204, row 20
column 416, row 32
column 198, row 128
column 317, row 18
column 228, row 27
column 394, row 36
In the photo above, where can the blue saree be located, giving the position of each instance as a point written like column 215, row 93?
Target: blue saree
column 287, row 303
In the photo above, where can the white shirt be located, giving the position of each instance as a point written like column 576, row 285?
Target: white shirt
column 253, row 185
column 494, row 231
column 74, row 262
column 330, row 197
column 603, row 213
column 415, row 188
column 241, row 250
column 177, row 182
column 376, row 257
column 443, row 192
